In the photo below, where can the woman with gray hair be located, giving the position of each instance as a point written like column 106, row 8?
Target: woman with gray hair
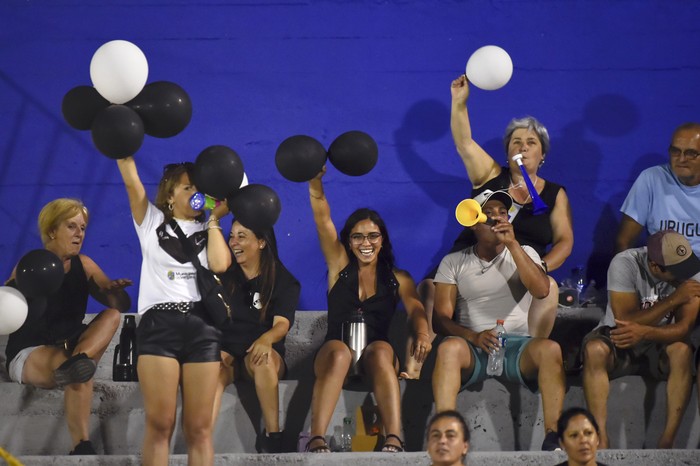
column 550, row 234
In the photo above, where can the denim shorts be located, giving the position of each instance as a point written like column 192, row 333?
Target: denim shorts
column 511, row 365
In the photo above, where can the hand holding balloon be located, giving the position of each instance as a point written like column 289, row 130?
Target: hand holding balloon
column 489, row 68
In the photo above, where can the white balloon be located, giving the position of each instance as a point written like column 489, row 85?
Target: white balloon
column 244, row 182
column 13, row 309
column 489, row 68
column 118, row 71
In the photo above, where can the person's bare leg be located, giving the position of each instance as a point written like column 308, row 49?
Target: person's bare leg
column 454, row 357
column 331, row 367
column 678, row 390
column 597, row 364
column 543, row 312
column 542, row 359
column 266, row 379
column 159, row 379
column 199, row 382
column 226, row 377
column 379, row 366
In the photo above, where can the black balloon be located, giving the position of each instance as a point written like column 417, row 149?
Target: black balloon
column 117, row 131
column 164, row 107
column 353, row 153
column 256, row 206
column 81, row 105
column 39, row 273
column 218, row 172
column 300, row 158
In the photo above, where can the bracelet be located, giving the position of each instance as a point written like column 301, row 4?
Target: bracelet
column 213, row 218
column 422, row 333
column 316, row 197
column 214, row 227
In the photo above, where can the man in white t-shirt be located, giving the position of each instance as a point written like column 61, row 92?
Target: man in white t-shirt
column 666, row 197
column 653, row 301
column 495, row 279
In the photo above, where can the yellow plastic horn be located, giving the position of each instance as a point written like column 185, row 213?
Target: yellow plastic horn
column 468, row 213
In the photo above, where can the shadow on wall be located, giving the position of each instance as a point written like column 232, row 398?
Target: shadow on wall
column 595, row 189
column 427, row 121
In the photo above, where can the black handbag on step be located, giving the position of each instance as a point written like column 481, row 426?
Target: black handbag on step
column 210, row 288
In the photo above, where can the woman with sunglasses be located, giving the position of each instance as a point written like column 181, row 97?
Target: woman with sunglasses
column 361, row 276
column 264, row 297
column 177, row 341
column 550, row 234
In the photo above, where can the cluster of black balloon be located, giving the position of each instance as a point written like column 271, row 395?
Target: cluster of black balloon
column 162, row 109
column 218, row 173
column 39, row 274
column 301, row 158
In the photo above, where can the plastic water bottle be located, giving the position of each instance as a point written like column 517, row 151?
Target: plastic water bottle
column 346, row 444
column 579, row 273
column 495, row 364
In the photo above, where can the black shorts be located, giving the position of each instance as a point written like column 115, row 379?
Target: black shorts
column 647, row 358
column 187, row 337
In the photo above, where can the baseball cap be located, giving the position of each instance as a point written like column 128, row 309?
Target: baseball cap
column 488, row 195
column 672, row 251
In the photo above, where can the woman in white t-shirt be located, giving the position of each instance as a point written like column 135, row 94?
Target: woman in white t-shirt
column 177, row 341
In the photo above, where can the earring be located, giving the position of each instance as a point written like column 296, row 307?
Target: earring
column 170, row 207
column 52, row 237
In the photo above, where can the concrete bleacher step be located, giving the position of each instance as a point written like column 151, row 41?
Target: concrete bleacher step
column 502, row 417
column 611, row 457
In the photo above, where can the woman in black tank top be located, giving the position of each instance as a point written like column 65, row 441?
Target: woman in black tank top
column 66, row 351
column 552, row 229
column 361, row 275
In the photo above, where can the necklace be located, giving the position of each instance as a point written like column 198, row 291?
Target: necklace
column 520, row 185
column 485, row 265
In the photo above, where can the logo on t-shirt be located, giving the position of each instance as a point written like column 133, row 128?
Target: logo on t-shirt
column 257, row 304
column 171, row 275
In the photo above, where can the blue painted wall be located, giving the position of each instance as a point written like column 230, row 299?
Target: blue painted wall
column 611, row 80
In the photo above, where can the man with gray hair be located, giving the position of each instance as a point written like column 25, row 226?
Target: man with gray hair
column 665, row 197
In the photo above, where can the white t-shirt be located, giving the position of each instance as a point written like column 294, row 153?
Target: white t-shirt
column 488, row 291
column 164, row 278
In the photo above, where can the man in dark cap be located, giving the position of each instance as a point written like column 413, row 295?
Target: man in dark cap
column 653, row 300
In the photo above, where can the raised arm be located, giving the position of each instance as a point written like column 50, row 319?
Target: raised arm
column 532, row 275
column 108, row 292
column 481, row 167
column 218, row 252
column 138, row 201
column 562, row 232
column 333, row 251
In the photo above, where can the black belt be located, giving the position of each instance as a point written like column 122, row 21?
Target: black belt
column 182, row 306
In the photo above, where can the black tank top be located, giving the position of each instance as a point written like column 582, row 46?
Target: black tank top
column 62, row 317
column 532, row 230
column 378, row 310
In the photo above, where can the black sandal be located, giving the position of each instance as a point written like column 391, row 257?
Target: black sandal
column 322, row 448
column 389, row 448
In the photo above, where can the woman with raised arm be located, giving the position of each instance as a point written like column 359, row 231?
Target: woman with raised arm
column 53, row 348
column 179, row 345
column 264, row 297
column 550, row 234
column 361, row 275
